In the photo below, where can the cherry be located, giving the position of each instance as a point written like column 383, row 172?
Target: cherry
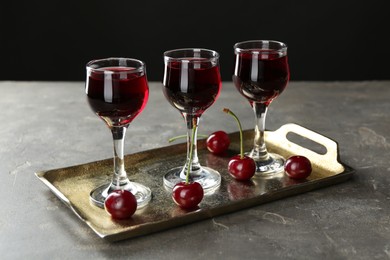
column 298, row 167
column 240, row 167
column 218, row 142
column 120, row 204
column 187, row 195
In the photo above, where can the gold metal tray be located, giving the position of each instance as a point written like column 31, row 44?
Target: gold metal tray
column 72, row 185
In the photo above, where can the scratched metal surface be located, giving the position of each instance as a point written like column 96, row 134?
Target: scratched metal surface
column 73, row 184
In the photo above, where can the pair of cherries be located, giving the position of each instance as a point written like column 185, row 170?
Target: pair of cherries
column 242, row 167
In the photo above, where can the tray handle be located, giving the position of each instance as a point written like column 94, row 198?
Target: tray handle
column 328, row 161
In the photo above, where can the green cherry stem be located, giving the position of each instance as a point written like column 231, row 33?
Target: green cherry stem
column 229, row 112
column 191, row 151
column 170, row 140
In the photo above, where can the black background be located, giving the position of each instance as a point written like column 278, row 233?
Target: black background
column 327, row 40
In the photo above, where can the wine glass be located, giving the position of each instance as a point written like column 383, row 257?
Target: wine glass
column 261, row 74
column 117, row 91
column 191, row 84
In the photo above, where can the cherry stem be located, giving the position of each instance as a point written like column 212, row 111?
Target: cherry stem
column 170, row 140
column 229, row 112
column 191, row 149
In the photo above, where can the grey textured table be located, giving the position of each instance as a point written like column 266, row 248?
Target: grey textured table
column 47, row 125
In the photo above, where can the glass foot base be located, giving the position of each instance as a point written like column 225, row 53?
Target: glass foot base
column 209, row 179
column 271, row 167
column 142, row 193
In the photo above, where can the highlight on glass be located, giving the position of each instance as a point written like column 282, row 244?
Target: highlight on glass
column 117, row 92
column 191, row 84
column 261, row 74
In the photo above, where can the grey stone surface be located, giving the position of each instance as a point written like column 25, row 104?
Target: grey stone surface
column 46, row 125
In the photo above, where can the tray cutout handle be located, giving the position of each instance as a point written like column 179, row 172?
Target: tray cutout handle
column 321, row 162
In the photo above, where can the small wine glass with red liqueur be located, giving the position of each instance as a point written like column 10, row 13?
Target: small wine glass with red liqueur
column 117, row 91
column 191, row 84
column 261, row 74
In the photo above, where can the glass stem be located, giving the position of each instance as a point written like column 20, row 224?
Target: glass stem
column 119, row 179
column 193, row 165
column 259, row 149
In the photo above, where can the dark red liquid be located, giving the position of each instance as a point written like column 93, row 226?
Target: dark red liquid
column 261, row 78
column 192, row 87
column 118, row 97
